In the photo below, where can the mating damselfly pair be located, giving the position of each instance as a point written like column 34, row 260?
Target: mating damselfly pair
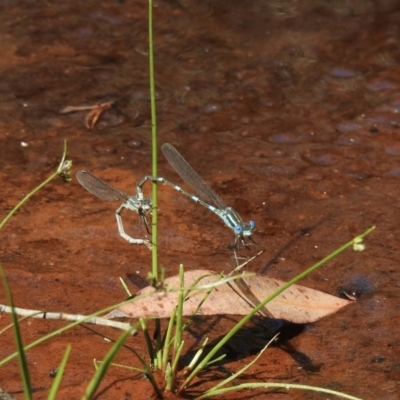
column 142, row 205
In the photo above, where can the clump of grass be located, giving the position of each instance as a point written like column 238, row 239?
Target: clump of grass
column 165, row 353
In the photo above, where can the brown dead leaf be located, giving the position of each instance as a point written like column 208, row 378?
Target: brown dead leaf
column 93, row 116
column 297, row 304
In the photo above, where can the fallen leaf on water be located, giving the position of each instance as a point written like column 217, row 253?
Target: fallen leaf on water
column 93, row 116
column 297, row 304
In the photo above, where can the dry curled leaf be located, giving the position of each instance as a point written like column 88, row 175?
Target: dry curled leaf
column 93, row 116
column 297, row 304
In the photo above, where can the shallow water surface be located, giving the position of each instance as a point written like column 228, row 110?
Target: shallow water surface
column 290, row 110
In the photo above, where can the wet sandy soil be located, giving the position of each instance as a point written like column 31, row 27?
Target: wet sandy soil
column 290, row 110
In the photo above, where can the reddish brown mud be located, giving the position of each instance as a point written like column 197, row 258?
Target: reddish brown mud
column 290, row 110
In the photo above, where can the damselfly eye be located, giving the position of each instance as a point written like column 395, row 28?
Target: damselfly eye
column 238, row 230
column 252, row 225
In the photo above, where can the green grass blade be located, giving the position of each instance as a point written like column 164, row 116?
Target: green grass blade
column 152, row 93
column 287, row 386
column 179, row 312
column 167, row 341
column 241, row 371
column 59, row 374
column 146, row 370
column 149, row 343
column 197, row 356
column 125, row 286
column 101, row 371
column 176, row 358
column 159, row 343
column 177, row 341
column 154, row 171
column 62, row 170
column 18, row 340
column 216, row 360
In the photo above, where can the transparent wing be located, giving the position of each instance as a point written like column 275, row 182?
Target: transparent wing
column 100, row 188
column 190, row 176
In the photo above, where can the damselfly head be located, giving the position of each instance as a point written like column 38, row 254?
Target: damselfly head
column 247, row 228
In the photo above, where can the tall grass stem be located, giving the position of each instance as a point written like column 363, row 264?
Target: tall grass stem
column 154, row 171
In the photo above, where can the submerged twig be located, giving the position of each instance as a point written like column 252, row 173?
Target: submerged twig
column 66, row 317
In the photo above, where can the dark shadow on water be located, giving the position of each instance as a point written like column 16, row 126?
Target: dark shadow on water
column 138, row 281
column 248, row 341
column 288, row 332
column 288, row 245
